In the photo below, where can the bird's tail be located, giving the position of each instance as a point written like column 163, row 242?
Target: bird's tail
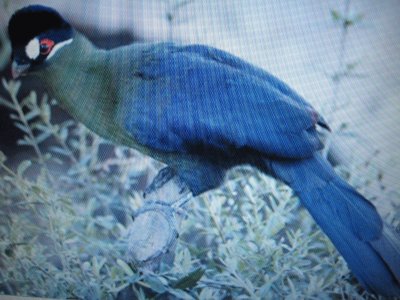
column 370, row 248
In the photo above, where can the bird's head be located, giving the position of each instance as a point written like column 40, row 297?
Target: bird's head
column 36, row 33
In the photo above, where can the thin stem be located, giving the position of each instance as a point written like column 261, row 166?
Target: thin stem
column 341, row 56
column 94, row 152
column 171, row 16
column 60, row 141
column 16, row 183
column 82, row 140
column 337, row 81
column 28, row 128
column 214, row 219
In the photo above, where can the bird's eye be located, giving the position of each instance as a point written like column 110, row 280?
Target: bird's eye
column 45, row 46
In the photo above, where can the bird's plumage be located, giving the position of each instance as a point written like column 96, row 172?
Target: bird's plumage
column 190, row 100
column 202, row 111
column 351, row 222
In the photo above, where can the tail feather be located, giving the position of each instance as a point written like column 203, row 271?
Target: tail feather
column 371, row 249
column 386, row 244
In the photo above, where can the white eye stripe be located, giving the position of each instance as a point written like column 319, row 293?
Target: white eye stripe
column 32, row 49
column 58, row 47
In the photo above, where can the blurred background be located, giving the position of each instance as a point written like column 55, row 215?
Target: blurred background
column 342, row 56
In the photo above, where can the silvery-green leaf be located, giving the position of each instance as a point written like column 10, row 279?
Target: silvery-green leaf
column 32, row 114
column 22, row 127
column 25, row 141
column 42, row 137
column 155, row 284
column 3, row 157
column 59, row 150
column 30, row 99
column 189, row 280
column 125, row 267
column 7, row 104
column 23, row 166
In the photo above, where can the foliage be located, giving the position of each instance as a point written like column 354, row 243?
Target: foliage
column 65, row 215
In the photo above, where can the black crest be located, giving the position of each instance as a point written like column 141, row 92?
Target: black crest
column 33, row 20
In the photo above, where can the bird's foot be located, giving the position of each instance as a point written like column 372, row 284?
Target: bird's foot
column 166, row 187
column 162, row 177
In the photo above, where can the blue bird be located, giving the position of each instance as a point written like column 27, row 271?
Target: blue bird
column 202, row 111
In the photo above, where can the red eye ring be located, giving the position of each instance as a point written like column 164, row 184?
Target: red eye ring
column 45, row 46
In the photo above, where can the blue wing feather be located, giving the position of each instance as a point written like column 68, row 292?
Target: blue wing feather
column 197, row 96
column 230, row 60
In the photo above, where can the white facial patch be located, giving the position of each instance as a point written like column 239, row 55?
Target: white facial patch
column 32, row 50
column 58, row 47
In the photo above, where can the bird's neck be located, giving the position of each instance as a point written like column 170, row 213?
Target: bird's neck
column 79, row 79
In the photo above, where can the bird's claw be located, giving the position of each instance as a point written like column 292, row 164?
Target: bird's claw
column 163, row 177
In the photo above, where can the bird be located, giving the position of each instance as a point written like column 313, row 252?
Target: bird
column 201, row 111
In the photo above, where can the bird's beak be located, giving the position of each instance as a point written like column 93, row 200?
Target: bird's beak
column 17, row 70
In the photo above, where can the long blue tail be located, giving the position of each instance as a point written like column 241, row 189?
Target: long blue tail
column 370, row 248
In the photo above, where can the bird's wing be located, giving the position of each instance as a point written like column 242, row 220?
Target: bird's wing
column 195, row 97
column 232, row 61
column 239, row 64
